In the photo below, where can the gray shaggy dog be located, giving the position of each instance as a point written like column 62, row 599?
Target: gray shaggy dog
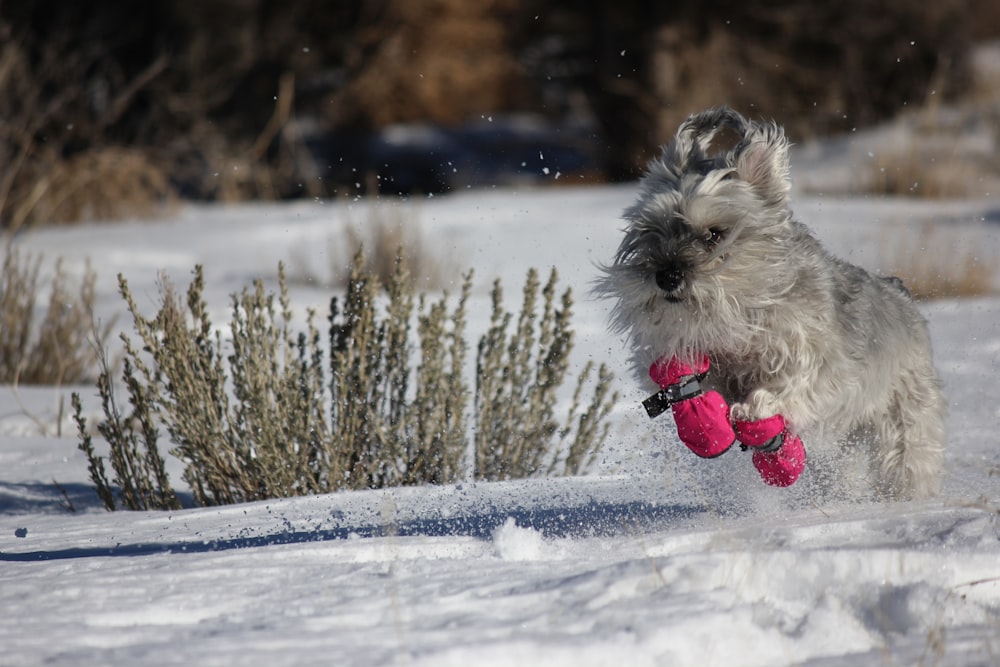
column 712, row 263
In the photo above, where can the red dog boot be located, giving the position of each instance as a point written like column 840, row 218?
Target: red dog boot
column 778, row 456
column 702, row 418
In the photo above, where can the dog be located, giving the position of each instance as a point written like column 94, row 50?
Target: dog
column 713, row 271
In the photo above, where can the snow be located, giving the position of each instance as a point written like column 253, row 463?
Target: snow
column 652, row 559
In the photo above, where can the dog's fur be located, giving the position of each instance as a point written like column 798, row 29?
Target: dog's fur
column 712, row 262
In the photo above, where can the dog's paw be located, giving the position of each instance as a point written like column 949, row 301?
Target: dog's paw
column 760, row 404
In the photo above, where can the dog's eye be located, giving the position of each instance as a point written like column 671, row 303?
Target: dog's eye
column 714, row 236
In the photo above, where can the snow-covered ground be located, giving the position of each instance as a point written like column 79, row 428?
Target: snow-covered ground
column 652, row 559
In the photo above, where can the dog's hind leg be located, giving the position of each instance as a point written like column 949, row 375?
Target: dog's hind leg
column 910, row 449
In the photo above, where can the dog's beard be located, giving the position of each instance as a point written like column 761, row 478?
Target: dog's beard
column 701, row 316
column 715, row 294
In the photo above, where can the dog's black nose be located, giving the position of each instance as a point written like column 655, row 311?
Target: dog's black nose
column 669, row 280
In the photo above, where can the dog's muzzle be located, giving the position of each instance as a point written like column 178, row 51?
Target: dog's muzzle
column 670, row 280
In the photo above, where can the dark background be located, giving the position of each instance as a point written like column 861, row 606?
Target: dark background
column 108, row 107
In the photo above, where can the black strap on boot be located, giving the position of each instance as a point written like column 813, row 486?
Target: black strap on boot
column 772, row 445
column 661, row 401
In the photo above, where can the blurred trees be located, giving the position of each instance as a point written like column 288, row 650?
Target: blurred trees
column 234, row 99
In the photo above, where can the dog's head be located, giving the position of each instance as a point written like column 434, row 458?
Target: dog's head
column 704, row 242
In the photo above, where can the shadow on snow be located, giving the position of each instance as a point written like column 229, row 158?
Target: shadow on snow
column 587, row 520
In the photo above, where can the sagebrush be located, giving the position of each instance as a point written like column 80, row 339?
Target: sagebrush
column 276, row 409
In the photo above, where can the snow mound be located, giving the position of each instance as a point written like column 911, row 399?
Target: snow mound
column 516, row 544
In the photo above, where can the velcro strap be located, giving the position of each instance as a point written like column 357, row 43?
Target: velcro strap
column 772, row 445
column 661, row 401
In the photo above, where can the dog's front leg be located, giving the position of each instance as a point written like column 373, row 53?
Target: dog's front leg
column 760, row 425
column 759, row 404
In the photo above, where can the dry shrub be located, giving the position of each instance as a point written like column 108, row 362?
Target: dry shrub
column 388, row 236
column 270, row 412
column 938, row 263
column 518, row 377
column 57, row 349
column 390, row 436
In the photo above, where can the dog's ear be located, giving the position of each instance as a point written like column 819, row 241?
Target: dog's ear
column 761, row 160
column 694, row 137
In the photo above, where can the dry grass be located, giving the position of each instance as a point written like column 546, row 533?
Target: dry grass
column 942, row 153
column 937, row 263
column 912, row 174
column 99, row 184
column 57, row 347
column 389, row 236
column 388, row 233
